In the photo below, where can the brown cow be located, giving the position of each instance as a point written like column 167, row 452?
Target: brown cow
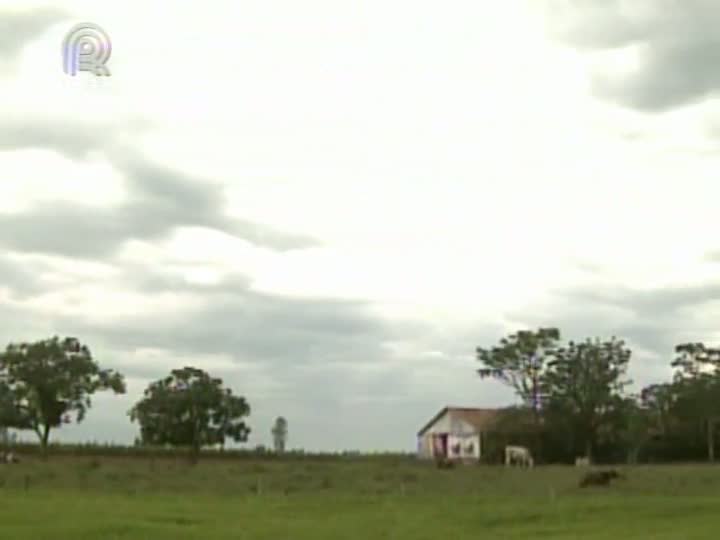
column 599, row 478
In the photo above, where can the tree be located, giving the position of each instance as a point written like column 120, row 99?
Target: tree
column 519, row 362
column 10, row 415
column 190, row 408
column 585, row 381
column 659, row 401
column 43, row 383
column 697, row 383
column 637, row 426
column 694, row 360
column 279, row 433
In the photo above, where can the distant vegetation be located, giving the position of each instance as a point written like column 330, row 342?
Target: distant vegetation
column 181, row 452
column 190, row 408
column 43, row 384
column 574, row 402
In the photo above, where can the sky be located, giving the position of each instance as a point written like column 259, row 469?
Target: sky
column 331, row 204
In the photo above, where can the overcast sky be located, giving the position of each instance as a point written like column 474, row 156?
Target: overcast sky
column 331, row 203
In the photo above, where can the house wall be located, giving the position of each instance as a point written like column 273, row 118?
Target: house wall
column 465, row 441
column 459, row 431
column 458, row 426
column 464, row 433
column 441, row 425
column 425, row 446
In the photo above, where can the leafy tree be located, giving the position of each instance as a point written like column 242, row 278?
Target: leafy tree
column 190, row 408
column 519, row 362
column 636, row 426
column 659, row 402
column 43, row 383
column 585, row 381
column 697, row 384
column 279, row 433
column 10, row 415
column 694, row 360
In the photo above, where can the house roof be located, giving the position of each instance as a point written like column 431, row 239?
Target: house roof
column 480, row 419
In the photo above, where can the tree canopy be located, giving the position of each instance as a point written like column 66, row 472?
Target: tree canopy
column 190, row 408
column 577, row 393
column 42, row 384
column 519, row 362
column 586, row 381
column 696, row 384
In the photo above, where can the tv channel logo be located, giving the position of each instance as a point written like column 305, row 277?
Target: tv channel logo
column 86, row 47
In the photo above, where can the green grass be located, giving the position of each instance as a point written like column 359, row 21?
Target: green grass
column 106, row 498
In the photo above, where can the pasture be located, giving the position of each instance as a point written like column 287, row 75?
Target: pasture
column 83, row 498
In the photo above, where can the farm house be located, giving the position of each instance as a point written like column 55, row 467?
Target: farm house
column 455, row 433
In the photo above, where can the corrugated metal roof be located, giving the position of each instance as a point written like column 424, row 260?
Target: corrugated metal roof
column 480, row 419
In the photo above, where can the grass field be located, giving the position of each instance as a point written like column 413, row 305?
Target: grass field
column 107, row 498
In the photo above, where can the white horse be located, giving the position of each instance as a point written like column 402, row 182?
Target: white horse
column 8, row 457
column 519, row 455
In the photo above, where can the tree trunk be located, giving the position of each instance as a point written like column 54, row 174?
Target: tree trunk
column 195, row 446
column 588, row 449
column 633, row 455
column 537, row 442
column 45, row 437
column 194, row 454
column 711, row 439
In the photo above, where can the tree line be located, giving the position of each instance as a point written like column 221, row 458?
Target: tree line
column 574, row 399
column 576, row 403
column 48, row 383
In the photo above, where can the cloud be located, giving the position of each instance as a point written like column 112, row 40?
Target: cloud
column 252, row 327
column 75, row 137
column 668, row 301
column 18, row 28
column 225, row 319
column 66, row 229
column 664, row 318
column 676, row 47
column 160, row 200
column 167, row 198
column 19, row 278
column 651, row 321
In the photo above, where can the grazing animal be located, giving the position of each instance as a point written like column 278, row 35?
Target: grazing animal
column 582, row 461
column 9, row 457
column 518, row 455
column 599, row 478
